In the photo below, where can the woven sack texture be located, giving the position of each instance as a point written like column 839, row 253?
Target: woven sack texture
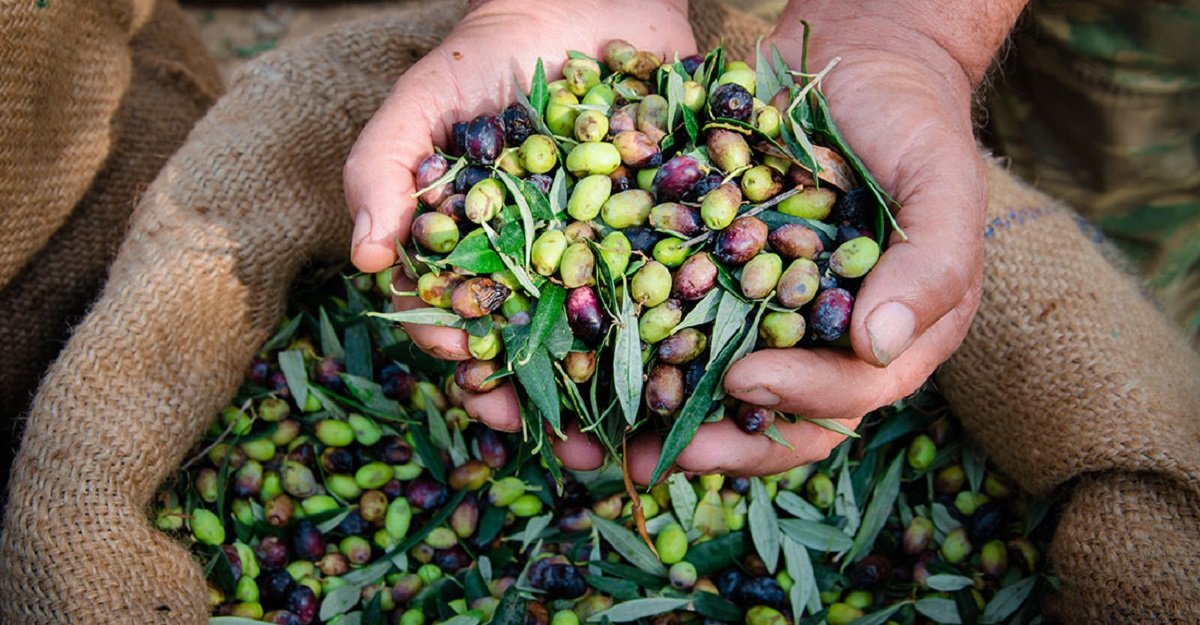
column 171, row 82
column 201, row 279
column 1070, row 377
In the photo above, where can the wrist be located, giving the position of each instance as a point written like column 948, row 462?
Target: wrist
column 958, row 40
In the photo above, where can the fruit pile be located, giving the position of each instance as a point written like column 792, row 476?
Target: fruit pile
column 346, row 485
column 620, row 236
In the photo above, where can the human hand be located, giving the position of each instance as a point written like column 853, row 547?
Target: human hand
column 470, row 74
column 902, row 101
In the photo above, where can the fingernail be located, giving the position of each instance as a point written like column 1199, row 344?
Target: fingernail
column 759, row 396
column 890, row 328
column 362, row 228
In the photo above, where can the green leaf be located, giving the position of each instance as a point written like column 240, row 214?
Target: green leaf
column 797, row 506
column 766, row 82
column 943, row 521
column 772, row 432
column 703, row 312
column 833, row 425
column 973, row 462
column 816, row 536
column 782, row 71
column 845, row 504
column 511, row 240
column 878, row 510
column 538, row 90
column 537, row 379
column 424, row 316
column 675, row 95
column 439, row 434
column 284, row 335
column 474, row 253
column 626, row 572
column 798, row 144
column 805, row 591
column 879, row 617
column 518, row 271
column 690, row 124
column 339, row 601
column 467, row 618
column 627, row 611
column 683, row 499
column 629, row 545
column 939, row 610
column 332, row 522
column 558, row 193
column 948, row 583
column 548, row 312
column 718, row 554
column 730, row 319
column 764, row 525
column 627, row 362
column 429, row 454
column 692, row 414
column 371, row 395
column 619, row 589
column 539, row 123
column 291, row 362
column 1007, row 600
column 560, row 339
column 330, row 345
column 511, row 610
column 514, row 188
column 896, row 427
column 372, row 612
column 716, row 607
column 744, row 347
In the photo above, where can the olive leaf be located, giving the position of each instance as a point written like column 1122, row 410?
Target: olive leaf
column 284, row 335
column 879, row 617
column 1007, row 600
column 538, row 89
column 474, row 254
column 716, row 607
column 805, row 592
column 291, row 362
column 627, row 611
column 619, row 589
column 816, row 536
column 627, row 361
column 424, row 316
column 703, row 312
column 445, row 178
column 730, row 319
column 330, row 345
column 797, row 506
column 683, row 499
column 833, row 425
column 549, row 309
column 766, row 80
column 877, row 512
column 536, row 375
column 764, row 525
column 946, row 582
column 938, row 610
column 629, row 546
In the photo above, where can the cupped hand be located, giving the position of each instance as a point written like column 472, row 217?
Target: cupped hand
column 904, row 107
column 469, row 74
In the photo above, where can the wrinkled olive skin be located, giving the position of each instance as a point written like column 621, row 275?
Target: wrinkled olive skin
column 664, row 389
column 731, row 101
column 728, row 149
column 781, row 330
column 585, row 315
column 760, row 275
column 794, row 241
column 637, row 149
column 695, row 278
column 472, row 375
column 811, row 203
column 675, row 217
column 799, row 283
column 741, row 241
column 682, row 347
column 477, row 297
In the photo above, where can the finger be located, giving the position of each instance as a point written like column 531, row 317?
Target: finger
column 378, row 175
column 579, row 451
column 835, row 384
column 642, row 454
column 442, row 342
column 496, row 409
column 724, row 448
column 918, row 280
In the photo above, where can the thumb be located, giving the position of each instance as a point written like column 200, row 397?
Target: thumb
column 379, row 173
column 919, row 280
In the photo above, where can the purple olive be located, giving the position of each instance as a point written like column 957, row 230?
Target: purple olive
column 623, row 119
column 691, row 63
column 433, row 167
column 637, row 149
column 643, row 238
column 472, row 375
column 830, row 314
column 492, row 449
column 731, row 101
column 854, row 209
column 675, row 178
column 741, row 241
column 794, row 241
column 585, row 315
column 478, row 297
column 541, row 181
column 682, row 347
column 452, row 560
column 307, row 542
column 754, row 419
column 676, row 217
column 695, row 278
column 426, row 493
column 664, row 389
column 275, row 585
column 302, row 602
column 485, row 139
column 396, row 383
column 470, row 175
column 703, row 186
column 622, row 179
column 455, row 207
column 393, row 450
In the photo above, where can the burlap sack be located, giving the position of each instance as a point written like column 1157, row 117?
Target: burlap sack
column 1070, row 378
column 85, row 127
column 200, row 282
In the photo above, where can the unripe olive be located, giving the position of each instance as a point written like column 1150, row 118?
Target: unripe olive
column 764, row 615
column 591, row 126
column 693, row 95
column 581, row 75
column 743, row 76
column 819, row 490
column 615, row 251
column 657, row 323
column 760, row 275
column 921, row 452
column 207, row 527
column 956, row 547
column 435, row 289
column 811, row 203
column 485, row 347
column 589, row 194
column 720, row 206
column 651, row 285
column 511, row 164
column 627, row 208
column 671, row 252
column 600, row 95
column 671, row 544
column 768, row 120
column 527, row 505
column 593, row 159
column 761, row 183
column 578, row 266
column 617, row 53
column 484, row 200
column 335, row 433
column 539, row 154
column 854, row 258
column 781, row 330
column 917, row 536
column 561, row 113
column 652, row 117
column 470, row 475
column 993, row 559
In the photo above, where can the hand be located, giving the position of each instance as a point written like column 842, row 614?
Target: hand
column 469, row 74
column 904, row 106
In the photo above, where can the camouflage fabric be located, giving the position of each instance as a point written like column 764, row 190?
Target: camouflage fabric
column 1099, row 104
